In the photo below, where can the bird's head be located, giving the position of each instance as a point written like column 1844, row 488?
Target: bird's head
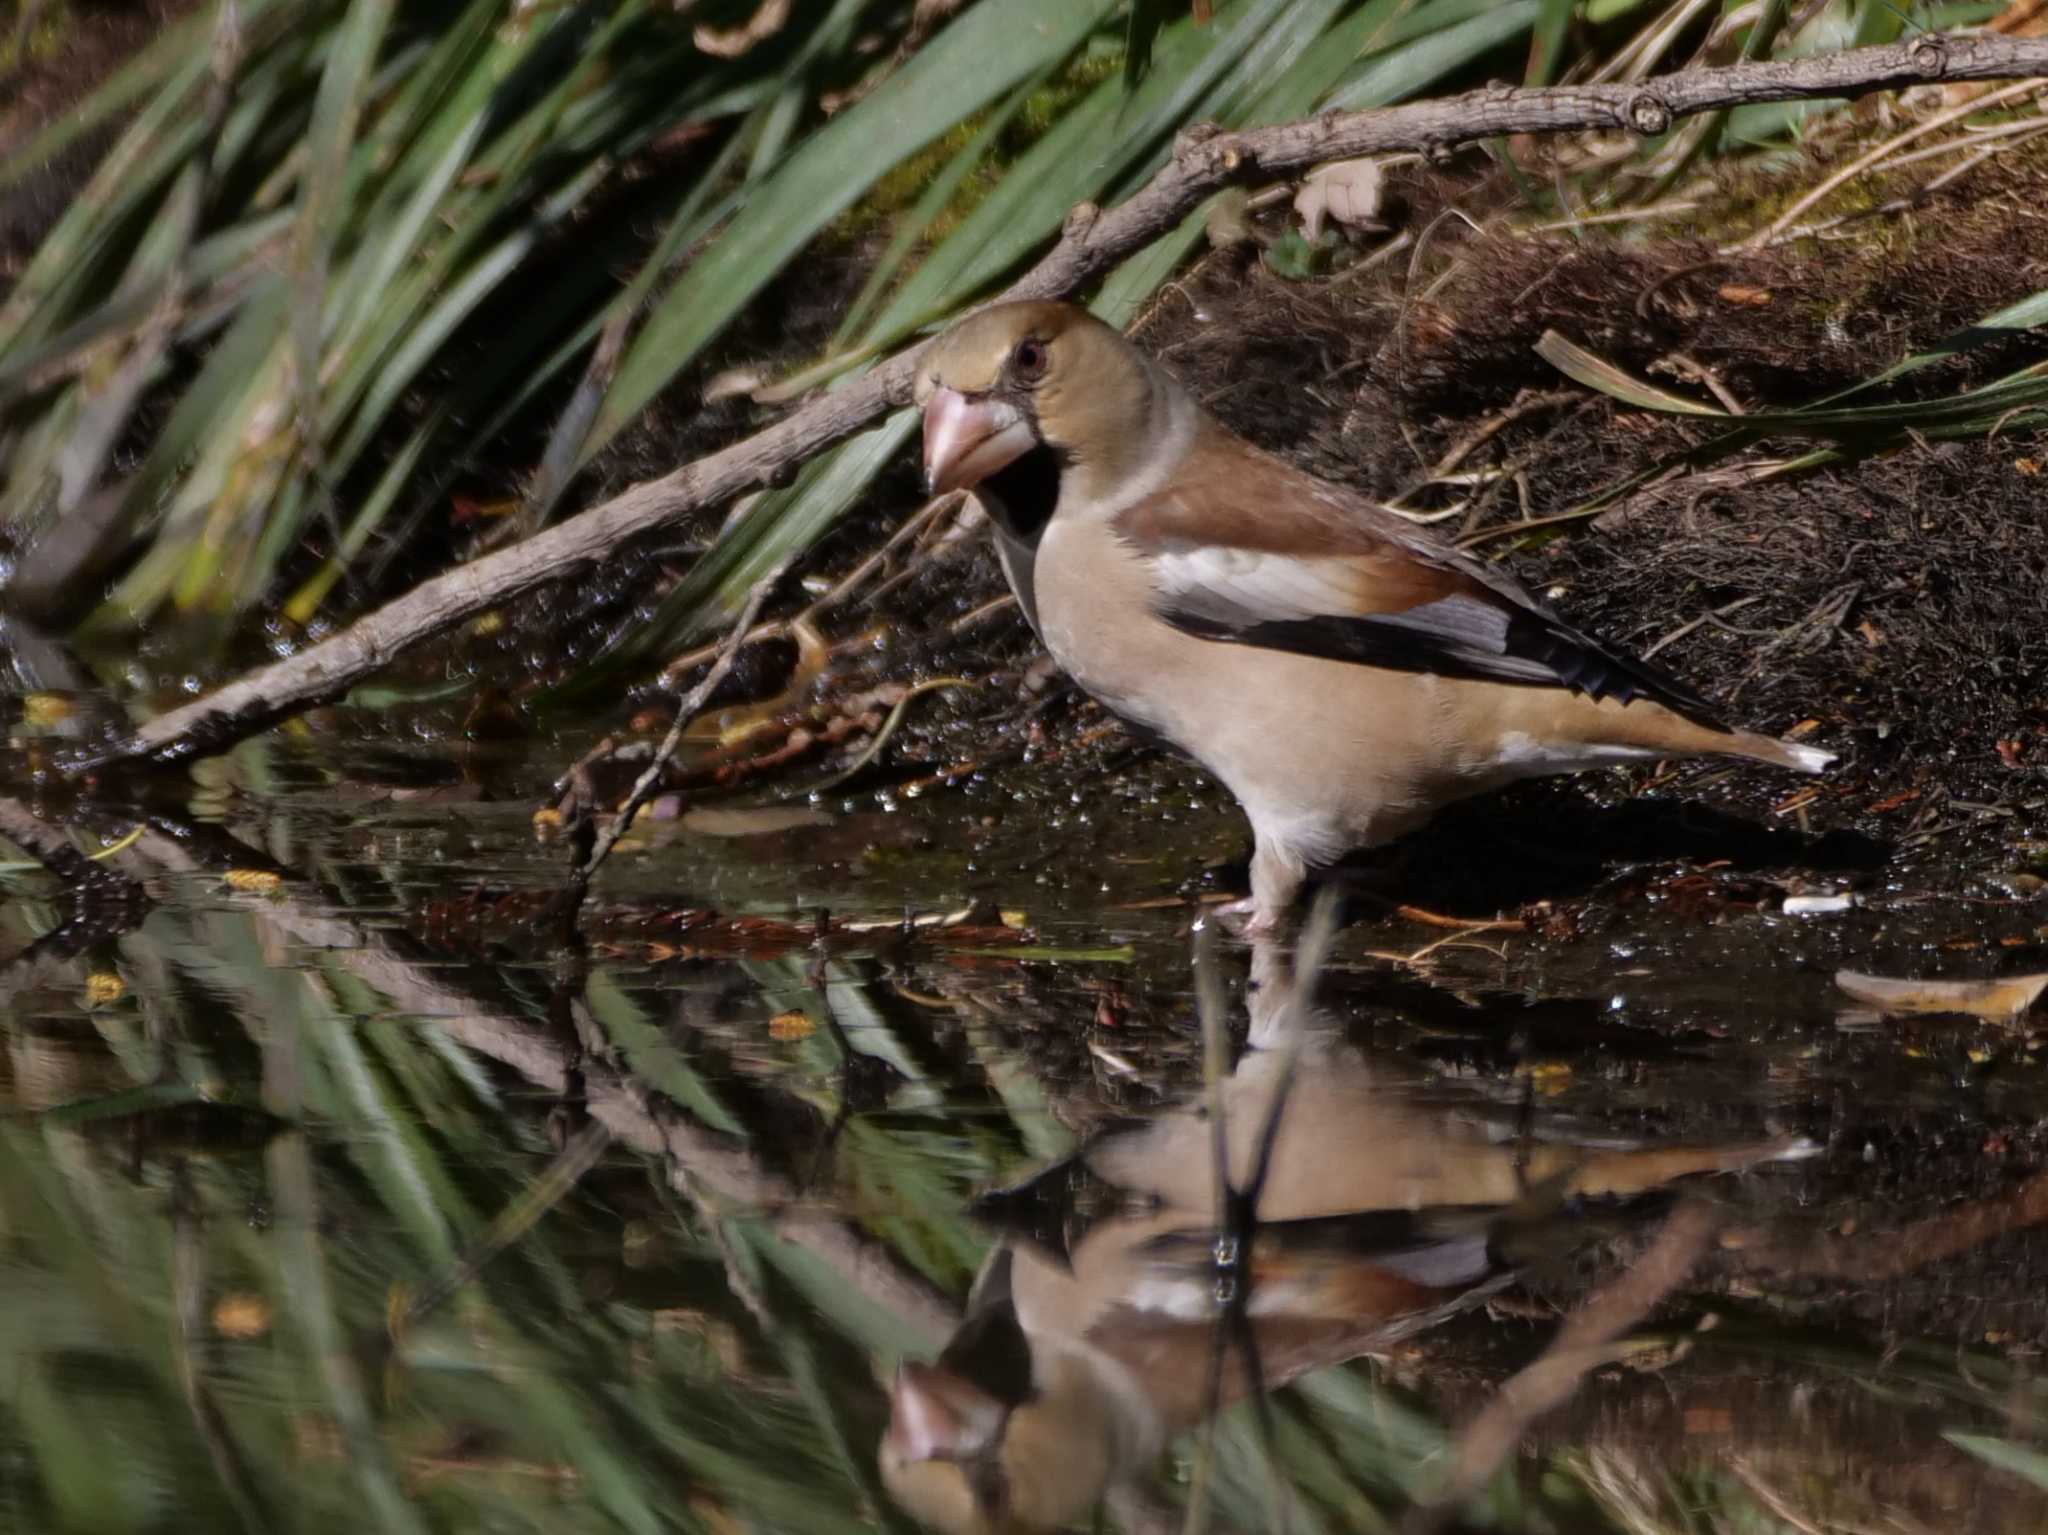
column 1000, row 1432
column 964, row 1462
column 1040, row 388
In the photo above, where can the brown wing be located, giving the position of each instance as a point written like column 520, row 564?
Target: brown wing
column 1249, row 550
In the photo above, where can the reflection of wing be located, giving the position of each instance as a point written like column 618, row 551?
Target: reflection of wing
column 1312, row 568
column 1437, row 1249
column 1306, row 1311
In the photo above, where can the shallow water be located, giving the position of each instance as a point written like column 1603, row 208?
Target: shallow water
column 345, row 1186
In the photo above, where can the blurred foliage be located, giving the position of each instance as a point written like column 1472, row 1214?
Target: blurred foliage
column 340, row 257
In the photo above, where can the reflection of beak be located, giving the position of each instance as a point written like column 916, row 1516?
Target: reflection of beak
column 966, row 441
column 935, row 1415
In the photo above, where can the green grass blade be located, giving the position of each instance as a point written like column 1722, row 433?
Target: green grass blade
column 2021, row 1460
column 336, row 110
column 653, row 1056
column 973, row 60
column 1407, row 68
column 1546, row 43
column 931, row 203
column 777, row 524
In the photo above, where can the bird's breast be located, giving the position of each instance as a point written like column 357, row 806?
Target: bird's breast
column 1094, row 597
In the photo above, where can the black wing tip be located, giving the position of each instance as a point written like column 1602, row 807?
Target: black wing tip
column 1585, row 666
column 1573, row 661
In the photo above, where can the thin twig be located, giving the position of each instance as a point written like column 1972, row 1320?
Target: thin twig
column 1988, row 143
column 1203, row 161
column 686, row 711
column 1772, row 231
column 840, row 590
column 1712, row 617
column 1530, row 525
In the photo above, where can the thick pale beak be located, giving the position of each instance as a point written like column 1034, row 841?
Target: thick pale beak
column 966, row 441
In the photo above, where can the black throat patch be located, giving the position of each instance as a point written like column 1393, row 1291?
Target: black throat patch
column 1022, row 494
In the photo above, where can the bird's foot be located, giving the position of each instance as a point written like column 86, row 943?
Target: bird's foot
column 1244, row 919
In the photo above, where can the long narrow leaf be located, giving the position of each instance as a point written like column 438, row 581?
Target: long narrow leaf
column 976, row 58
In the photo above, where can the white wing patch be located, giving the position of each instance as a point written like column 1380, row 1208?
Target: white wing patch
column 1251, row 585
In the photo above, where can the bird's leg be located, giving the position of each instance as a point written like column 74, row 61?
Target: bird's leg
column 1242, row 919
column 1277, row 876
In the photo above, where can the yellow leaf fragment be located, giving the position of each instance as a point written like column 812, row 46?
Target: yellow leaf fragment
column 789, row 1026
column 40, row 711
column 241, row 1314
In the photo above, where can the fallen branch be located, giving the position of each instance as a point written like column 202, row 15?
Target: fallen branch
column 1582, row 1345
column 1203, row 161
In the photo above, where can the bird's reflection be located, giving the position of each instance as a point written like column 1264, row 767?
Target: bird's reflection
column 1378, row 1215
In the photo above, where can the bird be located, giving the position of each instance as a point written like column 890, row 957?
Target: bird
column 1379, row 1215
column 1343, row 672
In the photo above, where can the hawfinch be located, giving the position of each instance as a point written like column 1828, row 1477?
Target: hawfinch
column 1379, row 1216
column 1342, row 672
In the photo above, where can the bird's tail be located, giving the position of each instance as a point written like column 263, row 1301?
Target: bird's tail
column 1558, row 732
column 1786, row 754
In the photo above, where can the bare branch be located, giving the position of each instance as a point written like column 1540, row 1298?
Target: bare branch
column 1583, row 1344
column 1204, row 161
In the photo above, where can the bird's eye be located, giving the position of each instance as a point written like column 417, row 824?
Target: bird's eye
column 1028, row 361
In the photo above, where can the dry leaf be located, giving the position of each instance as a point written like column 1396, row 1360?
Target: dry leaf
column 1549, row 1078
column 1345, row 191
column 731, row 42
column 2000, row 1000
column 790, row 1026
column 751, row 820
column 240, row 1314
column 41, row 711
column 732, row 383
